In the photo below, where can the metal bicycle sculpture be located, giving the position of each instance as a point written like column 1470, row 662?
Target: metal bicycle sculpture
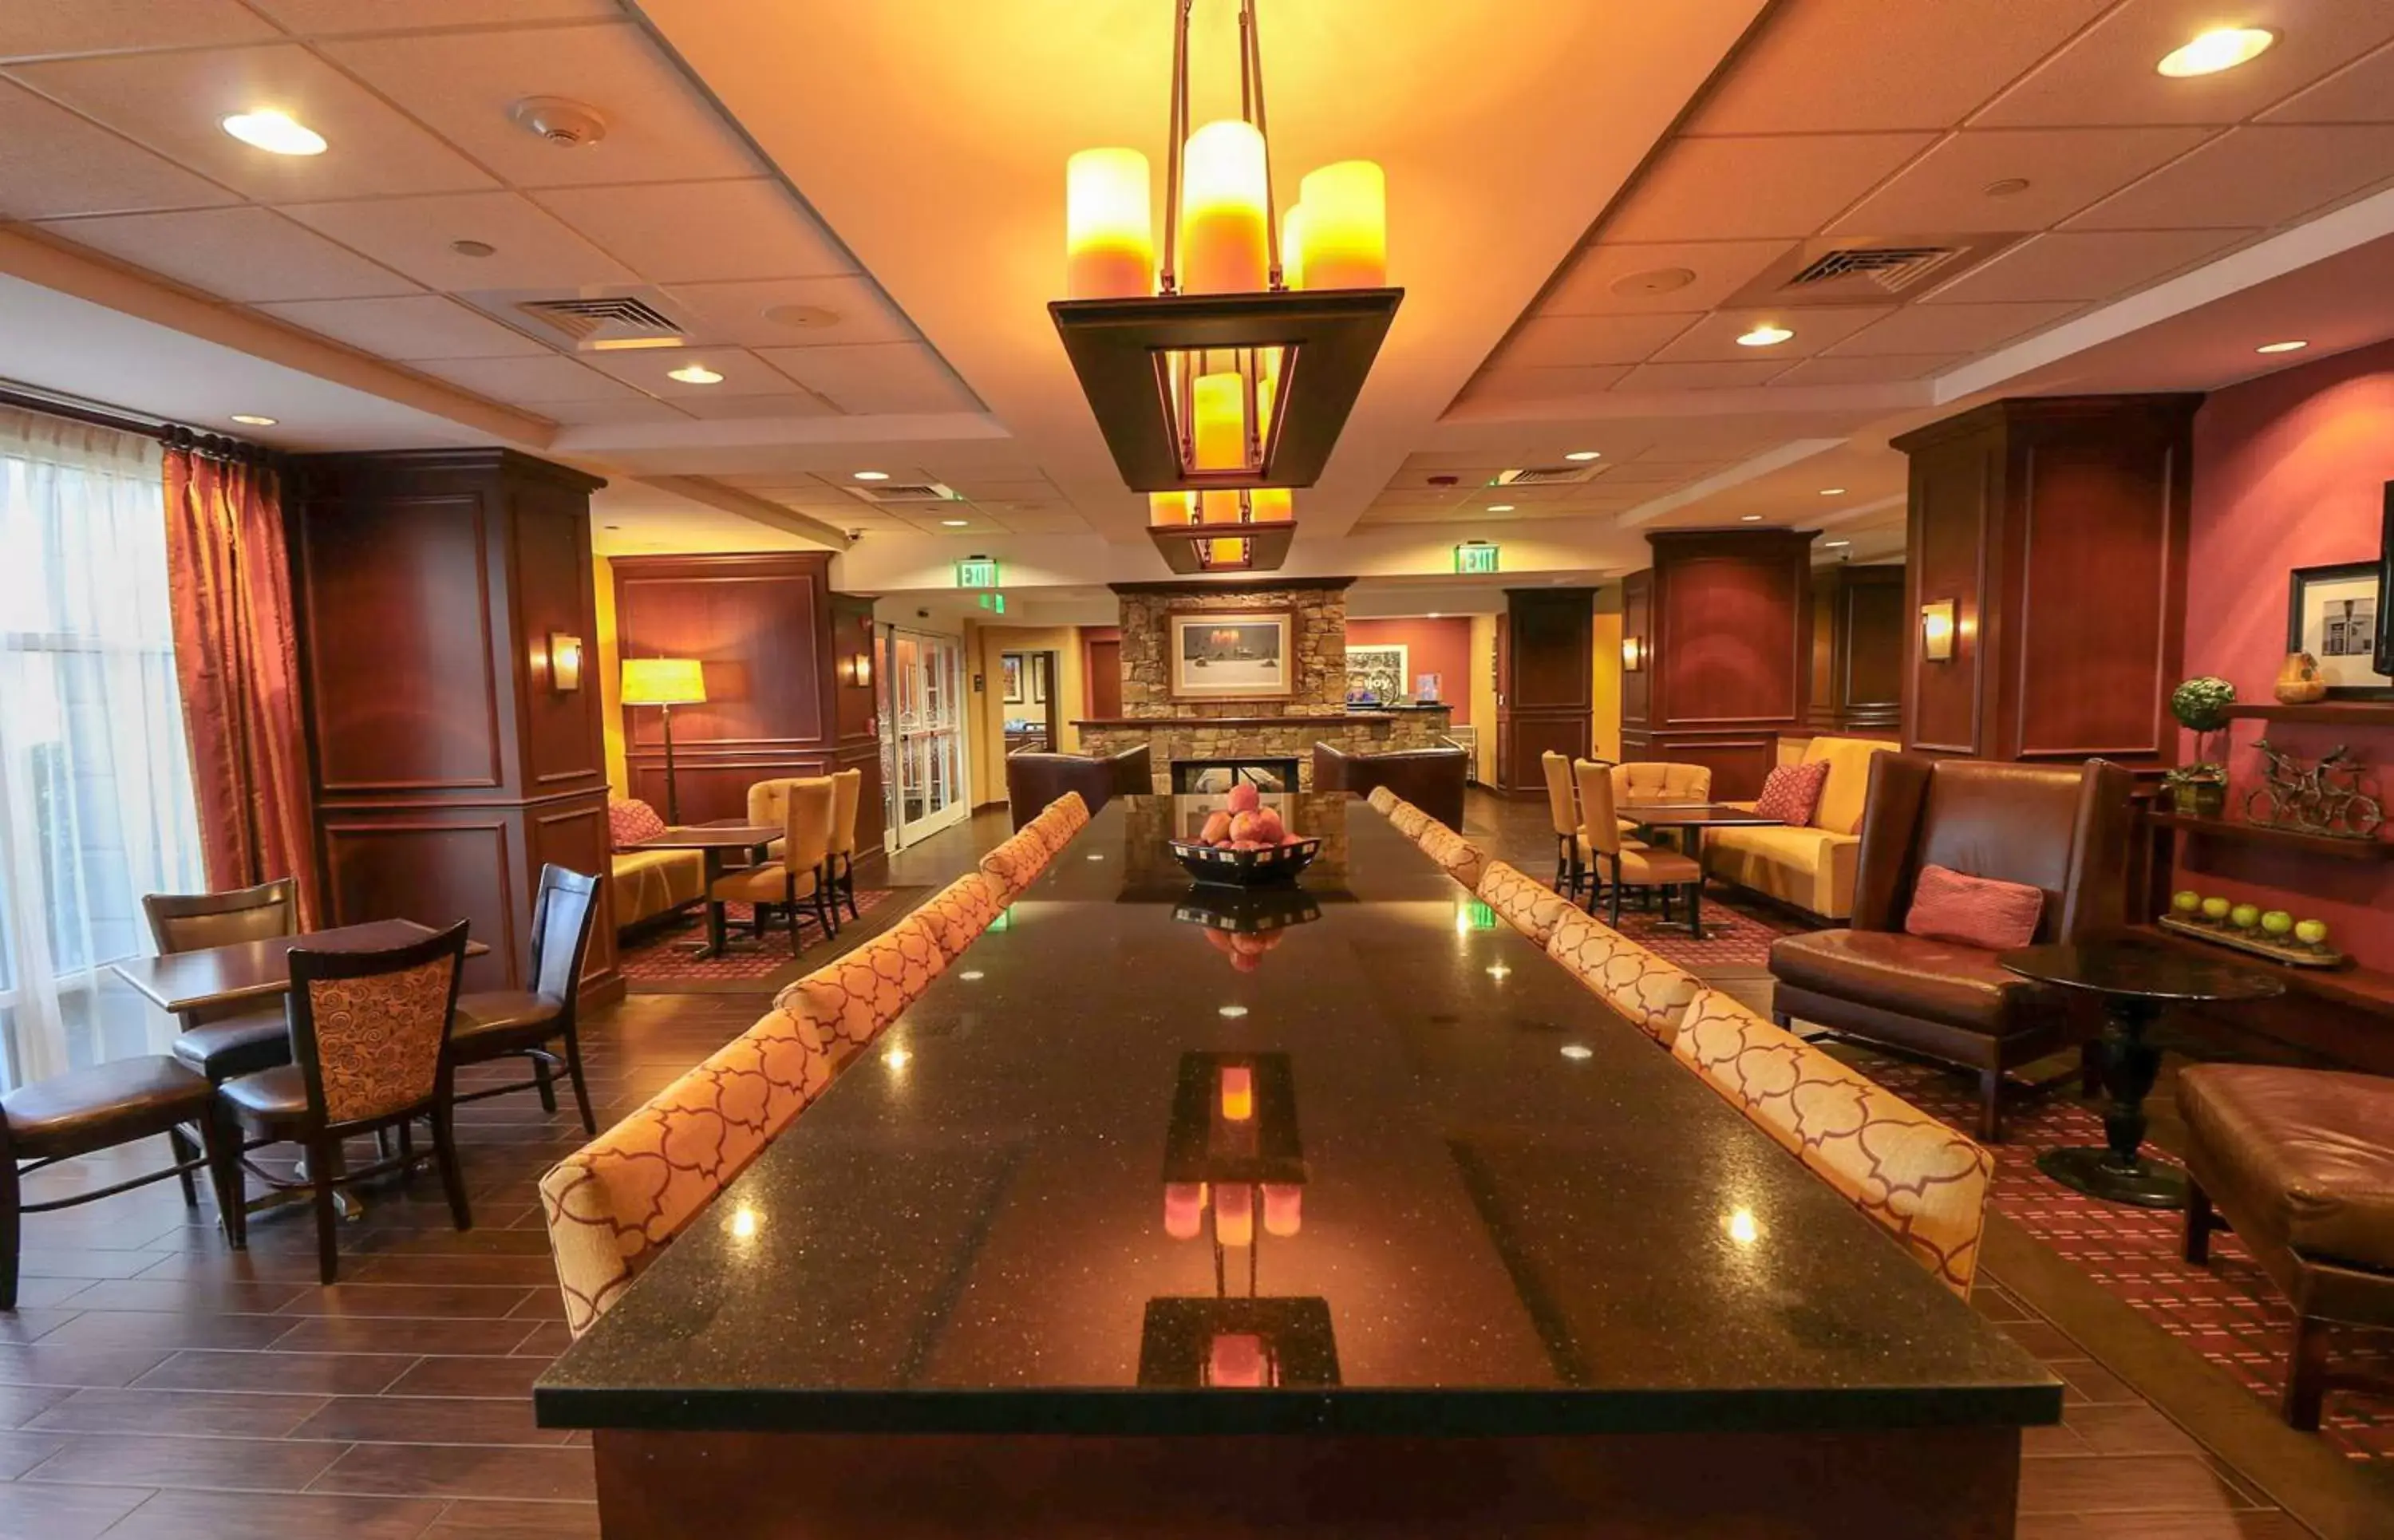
column 2322, row 798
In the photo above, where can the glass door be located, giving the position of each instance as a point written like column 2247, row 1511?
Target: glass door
column 923, row 737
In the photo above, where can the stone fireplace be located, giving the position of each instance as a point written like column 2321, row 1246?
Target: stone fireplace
column 1214, row 777
column 1269, row 734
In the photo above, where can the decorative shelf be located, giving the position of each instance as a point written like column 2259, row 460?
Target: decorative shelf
column 2367, row 990
column 2261, row 834
column 2343, row 712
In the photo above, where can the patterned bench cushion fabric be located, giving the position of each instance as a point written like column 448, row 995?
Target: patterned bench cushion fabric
column 1014, row 864
column 1410, row 821
column 1526, row 905
column 960, row 912
column 1463, row 861
column 1051, row 831
column 614, row 1203
column 1923, row 1183
column 1631, row 980
column 1072, row 809
column 1382, row 800
column 849, row 999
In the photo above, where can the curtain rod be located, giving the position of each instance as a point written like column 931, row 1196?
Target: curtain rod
column 212, row 446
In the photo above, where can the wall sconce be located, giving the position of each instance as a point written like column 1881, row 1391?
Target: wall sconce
column 1937, row 630
column 564, row 662
column 860, row 670
column 1633, row 654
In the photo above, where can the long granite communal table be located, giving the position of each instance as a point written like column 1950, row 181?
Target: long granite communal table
column 1500, row 1265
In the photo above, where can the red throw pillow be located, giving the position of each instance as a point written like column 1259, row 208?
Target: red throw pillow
column 1953, row 906
column 1791, row 792
column 632, row 821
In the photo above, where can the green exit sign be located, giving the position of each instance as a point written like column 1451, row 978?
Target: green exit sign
column 977, row 572
column 1476, row 556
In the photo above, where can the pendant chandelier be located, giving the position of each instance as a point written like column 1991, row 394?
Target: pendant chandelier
column 1222, row 377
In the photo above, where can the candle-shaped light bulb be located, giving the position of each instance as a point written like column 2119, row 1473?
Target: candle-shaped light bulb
column 1221, row 439
column 1346, row 227
column 1235, row 1214
column 1283, row 1209
column 1222, row 210
column 1109, row 236
column 1184, row 1209
column 1237, row 1093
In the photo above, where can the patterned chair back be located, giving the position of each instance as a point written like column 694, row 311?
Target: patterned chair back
column 846, row 796
column 807, row 811
column 851, row 998
column 1462, row 859
column 960, row 912
column 1523, row 902
column 1661, row 781
column 1410, row 821
column 193, row 922
column 1922, row 1182
column 1072, row 809
column 613, row 1205
column 369, row 1030
column 1382, row 800
column 1638, row 984
column 1602, row 827
column 1014, row 864
column 1559, row 793
column 562, row 918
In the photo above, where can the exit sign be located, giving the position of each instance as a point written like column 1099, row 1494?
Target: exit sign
column 993, row 602
column 977, row 572
column 1476, row 556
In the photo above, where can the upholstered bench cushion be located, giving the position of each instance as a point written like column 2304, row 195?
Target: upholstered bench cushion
column 1959, row 986
column 648, row 882
column 237, row 1045
column 1811, row 868
column 1529, row 906
column 2306, row 1154
column 101, row 1105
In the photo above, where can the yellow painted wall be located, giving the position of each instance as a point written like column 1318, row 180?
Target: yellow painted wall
column 610, row 677
column 1604, row 727
column 983, row 647
column 1483, row 694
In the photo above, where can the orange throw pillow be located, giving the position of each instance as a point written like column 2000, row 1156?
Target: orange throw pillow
column 1953, row 906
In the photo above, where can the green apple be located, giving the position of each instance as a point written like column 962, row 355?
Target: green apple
column 2215, row 909
column 2277, row 922
column 2311, row 932
column 2244, row 916
column 2185, row 900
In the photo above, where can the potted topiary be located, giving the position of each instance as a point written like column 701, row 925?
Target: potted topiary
column 2200, row 790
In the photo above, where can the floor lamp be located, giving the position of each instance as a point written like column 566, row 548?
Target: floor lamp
column 665, row 683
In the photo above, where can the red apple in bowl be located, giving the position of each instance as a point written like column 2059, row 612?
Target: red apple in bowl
column 1216, row 830
column 1268, row 828
column 1246, row 827
column 1243, row 797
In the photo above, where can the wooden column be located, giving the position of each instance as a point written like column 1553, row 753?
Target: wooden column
column 1545, row 682
column 1858, row 630
column 1724, row 619
column 446, row 764
column 783, row 696
column 2056, row 527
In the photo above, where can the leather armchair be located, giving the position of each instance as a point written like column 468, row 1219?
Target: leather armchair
column 1431, row 779
column 1033, row 779
column 2063, row 829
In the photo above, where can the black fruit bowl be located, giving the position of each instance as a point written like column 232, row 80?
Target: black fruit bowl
column 1273, row 866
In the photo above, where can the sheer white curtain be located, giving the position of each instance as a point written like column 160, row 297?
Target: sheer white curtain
column 95, row 785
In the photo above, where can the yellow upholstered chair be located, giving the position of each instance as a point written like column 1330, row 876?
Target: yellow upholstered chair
column 1462, row 859
column 1382, row 800
column 801, row 875
column 1918, row 1179
column 1629, row 864
column 1563, row 810
column 769, row 806
column 1659, row 780
column 839, row 866
column 613, row 1203
column 851, row 998
column 1639, row 985
column 1016, row 863
column 1523, row 902
column 960, row 912
column 1410, row 821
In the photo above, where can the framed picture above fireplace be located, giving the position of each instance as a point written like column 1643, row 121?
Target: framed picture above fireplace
column 1246, row 655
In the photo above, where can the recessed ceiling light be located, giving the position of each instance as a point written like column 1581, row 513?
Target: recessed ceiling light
column 804, row 318
column 2220, row 48
column 1834, row 543
column 955, row 523
column 472, row 248
column 694, row 374
column 1765, row 336
column 2007, row 187
column 1500, row 508
column 870, row 476
column 276, row 133
column 1833, row 491
column 251, row 419
column 1578, row 1051
column 1749, row 519
column 2267, row 347
column 1584, row 455
column 1233, row 1012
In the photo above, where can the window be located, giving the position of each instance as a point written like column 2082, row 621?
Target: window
column 95, row 783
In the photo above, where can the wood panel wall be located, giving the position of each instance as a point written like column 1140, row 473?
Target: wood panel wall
column 445, row 770
column 786, row 695
column 1545, row 684
column 1858, row 631
column 2058, row 527
column 1725, row 619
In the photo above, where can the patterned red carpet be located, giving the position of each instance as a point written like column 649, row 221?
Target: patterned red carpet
column 664, row 957
column 1737, row 935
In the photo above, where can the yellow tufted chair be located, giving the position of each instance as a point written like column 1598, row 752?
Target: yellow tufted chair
column 801, row 874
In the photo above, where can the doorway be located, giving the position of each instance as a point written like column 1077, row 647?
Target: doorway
column 1103, row 670
column 923, row 734
column 1034, row 711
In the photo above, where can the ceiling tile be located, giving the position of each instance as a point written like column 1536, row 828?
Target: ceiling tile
column 422, row 326
column 736, row 313
column 703, row 232
column 1510, row 384
column 1949, row 329
column 52, row 162
column 1795, row 76
column 2084, row 267
column 1046, row 523
column 2363, row 93
column 876, row 378
column 2252, row 175
column 650, row 369
column 1714, row 339
column 31, row 28
column 2107, row 74
column 175, row 103
column 536, row 251
column 463, row 84
column 1864, row 371
column 529, row 381
column 1716, row 270
column 629, row 409
column 1756, row 188
column 1943, row 192
column 797, row 403
column 333, row 18
column 1556, row 341
column 1646, row 474
column 249, row 254
column 997, row 493
column 1701, row 376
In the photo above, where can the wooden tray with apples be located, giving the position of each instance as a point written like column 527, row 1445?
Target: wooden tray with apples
column 2276, row 935
column 1243, row 844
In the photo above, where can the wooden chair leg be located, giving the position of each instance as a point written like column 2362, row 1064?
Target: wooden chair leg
column 452, row 1179
column 1991, row 1106
column 848, row 885
column 11, row 1224
column 2306, row 1374
column 540, row 1083
column 324, row 1159
column 573, row 1074
column 407, row 1150
column 2197, row 1247
column 224, row 1181
column 1616, row 893
column 185, row 1153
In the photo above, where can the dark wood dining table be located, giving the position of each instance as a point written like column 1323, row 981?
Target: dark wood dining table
column 713, row 842
column 1694, row 818
column 251, row 970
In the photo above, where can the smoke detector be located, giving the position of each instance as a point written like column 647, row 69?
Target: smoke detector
column 567, row 124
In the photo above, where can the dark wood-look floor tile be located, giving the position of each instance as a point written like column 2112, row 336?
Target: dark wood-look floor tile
column 88, row 1265
column 419, row 1300
column 192, row 1294
column 39, row 1365
column 2043, row 1341
column 2270, row 1525
column 218, row 1414
column 22, row 1325
column 2090, row 1384
column 21, row 1452
column 485, row 1520
column 2129, row 1483
column 49, row 1292
column 166, row 1330
column 290, row 1374
column 429, row 1419
column 548, row 1341
column 529, row 1271
column 2129, row 1430
column 64, row 1512
column 21, row 1404
column 221, row 1516
column 399, row 1334
column 189, row 1464
column 459, row 1470
column 448, row 1375
column 546, row 1304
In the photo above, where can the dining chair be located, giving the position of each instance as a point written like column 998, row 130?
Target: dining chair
column 802, row 873
column 502, row 1023
column 1659, row 780
column 847, row 798
column 1630, row 863
column 370, row 1045
column 615, row 1204
column 1523, row 902
column 1922, row 1182
column 958, row 914
column 851, row 998
column 1571, row 868
column 240, row 1036
column 1642, row 986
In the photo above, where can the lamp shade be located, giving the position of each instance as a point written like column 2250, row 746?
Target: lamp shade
column 663, row 682
column 1346, row 227
column 1223, row 211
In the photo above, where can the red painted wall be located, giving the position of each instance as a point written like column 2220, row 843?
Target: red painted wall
column 2289, row 471
column 1441, row 647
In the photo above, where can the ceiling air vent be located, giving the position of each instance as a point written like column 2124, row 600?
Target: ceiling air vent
column 1893, row 268
column 904, row 491
column 607, row 322
column 1865, row 271
column 1547, row 476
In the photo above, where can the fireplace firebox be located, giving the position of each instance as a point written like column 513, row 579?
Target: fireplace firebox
column 1215, row 777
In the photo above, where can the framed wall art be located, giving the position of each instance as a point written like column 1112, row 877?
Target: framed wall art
column 1378, row 670
column 1246, row 655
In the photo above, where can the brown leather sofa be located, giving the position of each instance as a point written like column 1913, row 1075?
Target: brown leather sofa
column 2063, row 829
column 1431, row 779
column 1034, row 779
